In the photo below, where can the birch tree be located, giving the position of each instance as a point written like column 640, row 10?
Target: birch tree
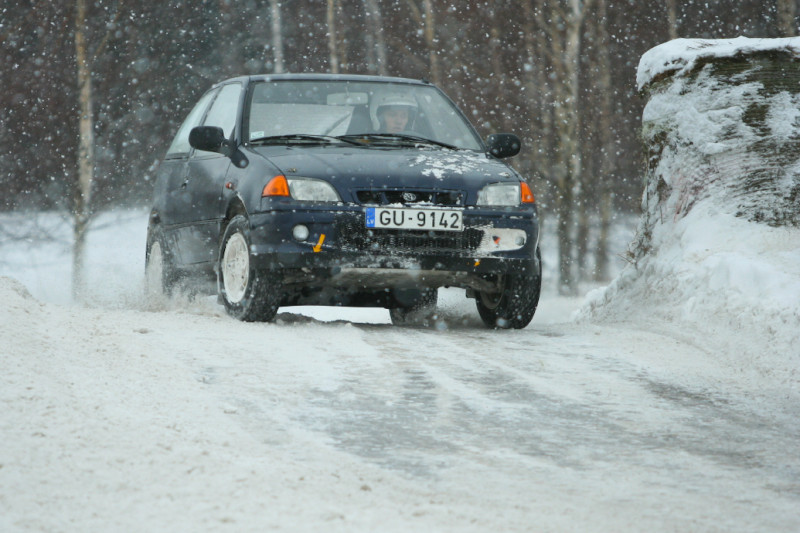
column 83, row 193
column 564, row 28
column 277, row 36
column 82, row 200
column 333, row 47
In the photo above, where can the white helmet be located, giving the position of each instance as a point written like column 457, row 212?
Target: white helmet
column 391, row 100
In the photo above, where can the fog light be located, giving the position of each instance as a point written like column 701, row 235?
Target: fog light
column 300, row 232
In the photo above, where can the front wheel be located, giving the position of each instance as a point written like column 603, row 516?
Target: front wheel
column 248, row 294
column 513, row 305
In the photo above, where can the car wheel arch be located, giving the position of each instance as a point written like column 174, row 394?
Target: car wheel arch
column 154, row 218
column 235, row 207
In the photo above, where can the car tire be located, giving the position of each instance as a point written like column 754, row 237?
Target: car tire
column 248, row 294
column 515, row 304
column 421, row 313
column 161, row 276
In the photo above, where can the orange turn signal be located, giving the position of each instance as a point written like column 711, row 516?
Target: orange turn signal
column 526, row 195
column 277, row 186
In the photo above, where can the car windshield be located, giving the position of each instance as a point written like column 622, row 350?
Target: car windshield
column 380, row 113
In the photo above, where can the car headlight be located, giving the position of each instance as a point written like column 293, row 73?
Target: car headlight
column 504, row 194
column 312, row 190
column 499, row 194
column 301, row 189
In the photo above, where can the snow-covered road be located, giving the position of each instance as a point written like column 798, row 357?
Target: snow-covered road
column 190, row 421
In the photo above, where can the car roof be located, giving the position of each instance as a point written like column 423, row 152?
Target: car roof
column 324, row 77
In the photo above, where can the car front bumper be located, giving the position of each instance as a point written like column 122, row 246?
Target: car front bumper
column 341, row 251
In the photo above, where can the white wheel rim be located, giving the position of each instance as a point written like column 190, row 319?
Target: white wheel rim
column 154, row 272
column 235, row 268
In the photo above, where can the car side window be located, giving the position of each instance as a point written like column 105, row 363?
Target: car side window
column 180, row 144
column 224, row 109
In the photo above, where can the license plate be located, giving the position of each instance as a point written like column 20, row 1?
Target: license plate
column 419, row 219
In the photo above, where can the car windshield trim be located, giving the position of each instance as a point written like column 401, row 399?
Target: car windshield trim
column 399, row 137
column 301, row 138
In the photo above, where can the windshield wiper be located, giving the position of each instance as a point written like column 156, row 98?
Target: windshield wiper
column 300, row 138
column 402, row 137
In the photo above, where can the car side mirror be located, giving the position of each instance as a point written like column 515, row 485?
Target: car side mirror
column 212, row 139
column 207, row 138
column 502, row 145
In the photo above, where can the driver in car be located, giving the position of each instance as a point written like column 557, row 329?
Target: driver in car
column 396, row 113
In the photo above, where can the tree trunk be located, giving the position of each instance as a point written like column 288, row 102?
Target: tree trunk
column 533, row 79
column 608, row 165
column 498, row 72
column 560, row 168
column 342, row 44
column 333, row 48
column 567, row 119
column 228, row 49
column 430, row 41
column 277, row 36
column 583, row 223
column 82, row 201
column 672, row 18
column 376, row 52
column 369, row 40
column 787, row 11
column 538, row 90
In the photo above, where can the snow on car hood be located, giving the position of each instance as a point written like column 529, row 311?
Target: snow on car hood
column 378, row 167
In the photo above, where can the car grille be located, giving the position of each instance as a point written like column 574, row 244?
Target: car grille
column 409, row 197
column 355, row 237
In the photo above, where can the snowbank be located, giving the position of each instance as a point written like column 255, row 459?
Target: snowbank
column 730, row 284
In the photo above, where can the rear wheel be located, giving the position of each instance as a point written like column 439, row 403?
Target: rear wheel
column 513, row 305
column 420, row 312
column 248, row 294
column 159, row 266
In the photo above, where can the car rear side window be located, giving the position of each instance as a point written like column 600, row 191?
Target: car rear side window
column 180, row 145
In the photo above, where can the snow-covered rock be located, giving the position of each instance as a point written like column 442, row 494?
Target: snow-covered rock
column 681, row 56
column 717, row 252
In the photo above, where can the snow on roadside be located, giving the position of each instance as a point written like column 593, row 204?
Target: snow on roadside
column 36, row 250
column 115, row 425
column 732, row 285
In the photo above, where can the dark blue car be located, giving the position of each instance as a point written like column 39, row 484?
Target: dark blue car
column 287, row 190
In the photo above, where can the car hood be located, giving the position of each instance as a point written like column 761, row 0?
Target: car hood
column 371, row 168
